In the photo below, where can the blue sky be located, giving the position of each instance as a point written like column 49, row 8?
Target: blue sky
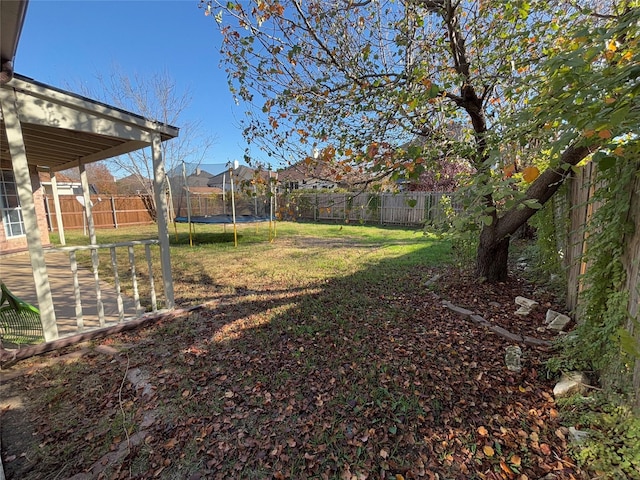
column 68, row 43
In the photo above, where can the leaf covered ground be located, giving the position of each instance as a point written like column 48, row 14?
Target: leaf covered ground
column 340, row 364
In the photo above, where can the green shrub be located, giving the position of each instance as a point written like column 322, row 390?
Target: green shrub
column 613, row 446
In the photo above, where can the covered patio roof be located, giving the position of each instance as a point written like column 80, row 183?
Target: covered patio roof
column 61, row 129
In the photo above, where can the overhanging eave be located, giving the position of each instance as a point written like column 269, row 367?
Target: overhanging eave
column 61, row 128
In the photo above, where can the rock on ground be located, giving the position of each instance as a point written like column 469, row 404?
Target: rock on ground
column 571, row 383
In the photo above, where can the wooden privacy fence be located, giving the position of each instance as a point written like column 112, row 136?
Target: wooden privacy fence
column 579, row 207
column 109, row 211
column 405, row 208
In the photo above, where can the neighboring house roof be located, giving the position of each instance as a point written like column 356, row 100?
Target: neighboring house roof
column 240, row 174
column 319, row 172
column 134, row 183
column 66, row 185
column 199, row 178
column 135, row 178
column 315, row 169
column 45, row 177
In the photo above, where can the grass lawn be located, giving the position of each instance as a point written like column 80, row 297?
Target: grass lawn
column 323, row 354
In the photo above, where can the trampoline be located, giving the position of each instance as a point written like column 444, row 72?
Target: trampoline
column 222, row 219
column 225, row 219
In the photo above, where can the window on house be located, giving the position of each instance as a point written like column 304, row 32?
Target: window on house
column 10, row 206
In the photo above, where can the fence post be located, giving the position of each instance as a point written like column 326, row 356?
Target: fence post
column 344, row 207
column 113, row 210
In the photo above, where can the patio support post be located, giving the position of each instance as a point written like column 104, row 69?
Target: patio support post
column 86, row 193
column 161, row 217
column 56, row 206
column 25, row 194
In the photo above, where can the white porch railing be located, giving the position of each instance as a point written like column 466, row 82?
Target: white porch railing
column 117, row 284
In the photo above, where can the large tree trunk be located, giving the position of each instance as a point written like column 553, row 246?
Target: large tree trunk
column 492, row 257
column 493, row 247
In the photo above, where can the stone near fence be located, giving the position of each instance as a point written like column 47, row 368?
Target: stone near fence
column 513, row 358
column 523, row 311
column 525, row 302
column 497, row 329
column 480, row 320
column 503, row 332
column 550, row 317
column 526, row 305
column 577, row 436
column 571, row 383
column 559, row 323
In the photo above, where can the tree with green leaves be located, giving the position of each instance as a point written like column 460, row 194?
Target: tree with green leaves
column 522, row 90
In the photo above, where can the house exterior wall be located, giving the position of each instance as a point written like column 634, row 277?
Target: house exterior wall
column 19, row 244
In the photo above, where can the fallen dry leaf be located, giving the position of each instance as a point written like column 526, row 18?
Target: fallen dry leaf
column 283, row 395
column 506, row 469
